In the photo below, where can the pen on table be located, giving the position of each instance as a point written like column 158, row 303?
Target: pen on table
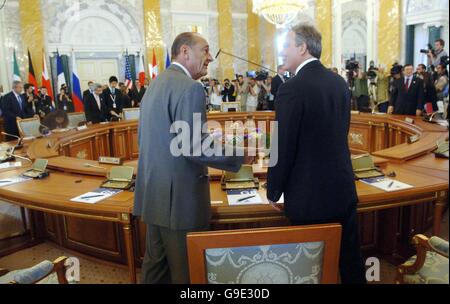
column 245, row 198
column 92, row 196
column 390, row 185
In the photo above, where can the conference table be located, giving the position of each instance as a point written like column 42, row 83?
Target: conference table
column 109, row 231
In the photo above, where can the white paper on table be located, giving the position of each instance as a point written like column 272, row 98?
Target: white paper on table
column 244, row 197
column 10, row 165
column 386, row 184
column 13, row 180
column 95, row 196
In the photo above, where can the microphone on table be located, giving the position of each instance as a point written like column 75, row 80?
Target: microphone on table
column 11, row 154
column 19, row 144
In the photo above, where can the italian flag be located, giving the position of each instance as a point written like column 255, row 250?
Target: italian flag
column 16, row 75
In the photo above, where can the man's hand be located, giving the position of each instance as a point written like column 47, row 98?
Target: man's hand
column 390, row 110
column 277, row 207
column 418, row 112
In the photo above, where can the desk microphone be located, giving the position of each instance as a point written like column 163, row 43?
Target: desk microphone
column 18, row 156
column 19, row 144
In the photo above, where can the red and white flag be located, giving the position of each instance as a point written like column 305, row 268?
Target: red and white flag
column 45, row 78
column 141, row 71
column 153, row 67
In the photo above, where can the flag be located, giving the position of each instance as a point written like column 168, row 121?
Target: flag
column 128, row 79
column 76, row 89
column 45, row 79
column 167, row 59
column 141, row 70
column 154, row 66
column 16, row 76
column 31, row 76
column 60, row 71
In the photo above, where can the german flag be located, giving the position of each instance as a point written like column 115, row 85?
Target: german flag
column 31, row 76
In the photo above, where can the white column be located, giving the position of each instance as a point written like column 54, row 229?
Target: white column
column 5, row 64
column 370, row 32
column 337, row 34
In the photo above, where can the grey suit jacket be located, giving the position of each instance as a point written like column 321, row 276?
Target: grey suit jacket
column 171, row 191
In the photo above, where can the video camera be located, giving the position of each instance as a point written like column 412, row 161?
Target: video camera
column 430, row 48
column 396, row 69
column 258, row 75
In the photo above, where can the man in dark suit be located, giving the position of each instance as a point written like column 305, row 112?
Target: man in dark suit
column 113, row 99
column 88, row 92
column 277, row 81
column 313, row 167
column 44, row 104
column 137, row 93
column 14, row 105
column 172, row 188
column 96, row 110
column 407, row 94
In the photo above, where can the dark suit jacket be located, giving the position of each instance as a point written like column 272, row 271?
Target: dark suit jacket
column 93, row 113
column 314, row 169
column 276, row 83
column 44, row 105
column 111, row 99
column 137, row 95
column 11, row 110
column 85, row 95
column 406, row 102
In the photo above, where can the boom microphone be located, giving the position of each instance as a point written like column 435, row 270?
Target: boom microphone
column 218, row 53
column 243, row 59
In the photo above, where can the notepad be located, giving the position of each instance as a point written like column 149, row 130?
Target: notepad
column 13, row 180
column 95, row 196
column 244, row 197
column 386, row 184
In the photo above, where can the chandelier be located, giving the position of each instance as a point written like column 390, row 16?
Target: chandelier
column 279, row 12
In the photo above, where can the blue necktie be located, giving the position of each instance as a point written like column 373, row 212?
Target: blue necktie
column 20, row 102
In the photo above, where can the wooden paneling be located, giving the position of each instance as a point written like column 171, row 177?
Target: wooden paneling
column 102, row 239
column 83, row 149
column 360, row 138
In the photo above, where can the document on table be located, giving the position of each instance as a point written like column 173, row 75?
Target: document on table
column 95, row 196
column 244, row 197
column 386, row 184
column 13, row 180
column 11, row 165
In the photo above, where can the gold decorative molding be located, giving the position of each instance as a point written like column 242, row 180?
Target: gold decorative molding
column 224, row 8
column 389, row 32
column 153, row 37
column 324, row 20
column 356, row 138
column 254, row 48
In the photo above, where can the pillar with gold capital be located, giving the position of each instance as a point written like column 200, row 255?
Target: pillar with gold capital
column 153, row 35
column 224, row 8
column 32, row 33
column 254, row 48
column 324, row 20
column 389, row 32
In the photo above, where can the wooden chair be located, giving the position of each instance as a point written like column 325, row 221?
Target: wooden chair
column 76, row 118
column 29, row 127
column 287, row 255
column 45, row 272
column 429, row 266
column 130, row 113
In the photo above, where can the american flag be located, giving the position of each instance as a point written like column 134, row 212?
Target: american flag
column 128, row 80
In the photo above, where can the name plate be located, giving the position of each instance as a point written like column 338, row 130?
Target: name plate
column 413, row 139
column 409, row 120
column 110, row 160
column 83, row 127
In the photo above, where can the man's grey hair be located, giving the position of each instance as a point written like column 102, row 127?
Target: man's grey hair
column 187, row 38
column 309, row 35
column 97, row 85
column 16, row 82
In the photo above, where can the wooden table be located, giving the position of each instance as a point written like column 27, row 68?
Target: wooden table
column 109, row 231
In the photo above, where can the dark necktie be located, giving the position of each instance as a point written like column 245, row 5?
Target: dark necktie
column 407, row 84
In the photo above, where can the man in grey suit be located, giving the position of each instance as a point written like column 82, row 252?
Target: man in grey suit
column 172, row 192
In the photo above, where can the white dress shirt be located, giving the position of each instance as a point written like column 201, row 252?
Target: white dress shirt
column 305, row 63
column 183, row 68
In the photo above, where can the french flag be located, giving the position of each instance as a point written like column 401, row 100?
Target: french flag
column 76, row 88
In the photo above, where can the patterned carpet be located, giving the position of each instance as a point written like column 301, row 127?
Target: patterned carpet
column 94, row 271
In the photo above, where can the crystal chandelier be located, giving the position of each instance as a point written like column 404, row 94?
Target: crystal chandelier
column 279, row 12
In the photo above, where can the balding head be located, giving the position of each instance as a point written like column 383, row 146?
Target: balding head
column 192, row 51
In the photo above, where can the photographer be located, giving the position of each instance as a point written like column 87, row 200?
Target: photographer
column 228, row 91
column 435, row 56
column 430, row 97
column 31, row 100
column 252, row 98
column 441, row 81
column 360, row 92
column 243, row 92
column 215, row 96
column 64, row 100
column 381, row 98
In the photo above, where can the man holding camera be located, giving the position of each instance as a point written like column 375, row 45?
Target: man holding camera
column 435, row 56
column 407, row 94
column 228, row 91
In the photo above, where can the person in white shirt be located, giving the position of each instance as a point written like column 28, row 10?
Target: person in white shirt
column 215, row 95
column 252, row 98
